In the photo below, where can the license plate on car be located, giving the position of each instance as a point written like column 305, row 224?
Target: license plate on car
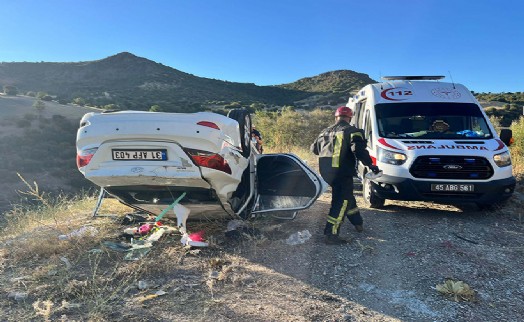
column 147, row 155
column 452, row 187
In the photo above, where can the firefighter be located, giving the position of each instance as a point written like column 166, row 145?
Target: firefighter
column 338, row 148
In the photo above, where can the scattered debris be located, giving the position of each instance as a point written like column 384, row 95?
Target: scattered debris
column 120, row 247
column 140, row 248
column 195, row 239
column 66, row 262
column 458, row 290
column 66, row 305
column 298, row 237
column 144, row 298
column 17, row 296
column 466, row 239
column 80, row 232
column 142, row 285
column 136, row 218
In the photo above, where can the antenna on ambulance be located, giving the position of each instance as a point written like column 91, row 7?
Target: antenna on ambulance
column 452, row 82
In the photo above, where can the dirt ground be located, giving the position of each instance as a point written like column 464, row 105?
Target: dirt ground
column 387, row 273
column 390, row 272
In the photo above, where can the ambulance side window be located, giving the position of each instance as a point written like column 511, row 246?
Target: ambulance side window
column 368, row 130
column 360, row 114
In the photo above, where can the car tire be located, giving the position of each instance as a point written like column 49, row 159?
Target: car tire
column 371, row 200
column 244, row 121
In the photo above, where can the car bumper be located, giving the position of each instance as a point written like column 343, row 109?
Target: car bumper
column 396, row 188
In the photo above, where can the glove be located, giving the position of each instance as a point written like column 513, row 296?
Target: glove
column 374, row 169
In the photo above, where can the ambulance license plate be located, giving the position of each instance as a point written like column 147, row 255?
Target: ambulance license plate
column 452, row 187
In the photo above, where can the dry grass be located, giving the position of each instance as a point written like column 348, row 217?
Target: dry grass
column 47, row 270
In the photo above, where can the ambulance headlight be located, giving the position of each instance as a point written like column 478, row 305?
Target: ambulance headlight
column 502, row 159
column 391, row 157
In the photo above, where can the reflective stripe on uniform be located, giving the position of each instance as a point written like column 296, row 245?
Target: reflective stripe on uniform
column 352, row 211
column 356, row 134
column 335, row 161
column 337, row 221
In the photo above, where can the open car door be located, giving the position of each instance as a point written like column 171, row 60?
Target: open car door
column 285, row 183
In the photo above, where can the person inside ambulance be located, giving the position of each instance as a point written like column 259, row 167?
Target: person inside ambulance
column 439, row 126
column 338, row 148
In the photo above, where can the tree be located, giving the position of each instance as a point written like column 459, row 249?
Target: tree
column 79, row 101
column 110, row 107
column 40, row 106
column 40, row 95
column 10, row 90
column 156, row 108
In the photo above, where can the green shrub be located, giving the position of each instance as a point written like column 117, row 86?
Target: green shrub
column 289, row 129
column 10, row 90
column 490, row 110
column 496, row 122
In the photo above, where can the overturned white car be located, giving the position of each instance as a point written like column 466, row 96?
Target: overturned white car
column 148, row 160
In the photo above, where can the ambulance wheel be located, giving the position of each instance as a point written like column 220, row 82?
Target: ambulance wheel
column 244, row 121
column 371, row 200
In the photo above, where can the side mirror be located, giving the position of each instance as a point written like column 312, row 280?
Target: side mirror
column 506, row 136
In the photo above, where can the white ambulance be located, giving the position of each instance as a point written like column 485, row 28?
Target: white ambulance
column 433, row 142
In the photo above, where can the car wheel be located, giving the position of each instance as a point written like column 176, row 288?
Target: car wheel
column 371, row 200
column 244, row 121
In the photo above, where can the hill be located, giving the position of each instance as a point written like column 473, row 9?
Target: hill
column 132, row 82
column 338, row 81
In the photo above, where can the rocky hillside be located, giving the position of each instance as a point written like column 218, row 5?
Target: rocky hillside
column 338, row 81
column 133, row 82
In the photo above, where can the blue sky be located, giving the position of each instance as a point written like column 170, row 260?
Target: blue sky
column 269, row 42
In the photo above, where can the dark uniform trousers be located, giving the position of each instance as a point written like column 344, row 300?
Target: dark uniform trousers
column 343, row 204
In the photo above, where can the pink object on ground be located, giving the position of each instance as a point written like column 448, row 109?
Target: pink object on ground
column 144, row 229
column 198, row 236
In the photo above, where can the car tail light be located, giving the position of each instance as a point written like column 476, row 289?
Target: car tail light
column 209, row 160
column 209, row 124
column 83, row 157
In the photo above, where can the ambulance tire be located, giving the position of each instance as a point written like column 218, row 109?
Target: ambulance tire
column 244, row 121
column 371, row 200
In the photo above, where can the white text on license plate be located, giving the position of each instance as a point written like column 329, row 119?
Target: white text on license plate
column 151, row 155
column 452, row 187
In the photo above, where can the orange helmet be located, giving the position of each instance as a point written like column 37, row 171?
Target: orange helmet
column 344, row 111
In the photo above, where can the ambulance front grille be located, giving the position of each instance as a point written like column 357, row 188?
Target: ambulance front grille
column 451, row 167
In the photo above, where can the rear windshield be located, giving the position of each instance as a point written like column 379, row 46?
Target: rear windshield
column 432, row 121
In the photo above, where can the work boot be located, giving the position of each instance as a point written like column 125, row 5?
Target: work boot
column 359, row 228
column 335, row 240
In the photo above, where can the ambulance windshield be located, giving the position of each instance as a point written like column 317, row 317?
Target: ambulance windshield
column 432, row 121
